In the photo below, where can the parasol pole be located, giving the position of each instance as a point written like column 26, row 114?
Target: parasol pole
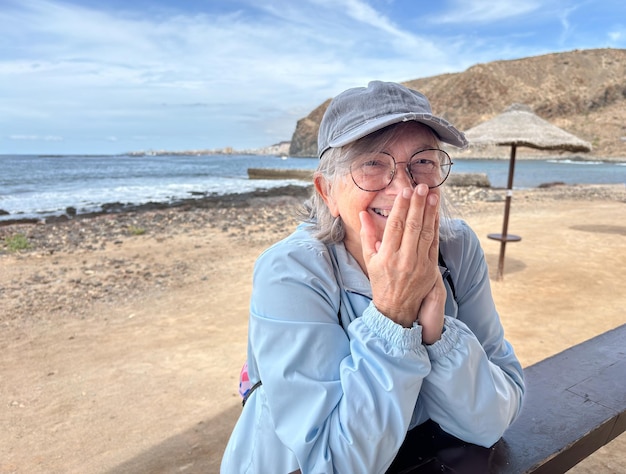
column 505, row 237
column 507, row 210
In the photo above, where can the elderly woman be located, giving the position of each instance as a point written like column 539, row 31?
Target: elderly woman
column 376, row 314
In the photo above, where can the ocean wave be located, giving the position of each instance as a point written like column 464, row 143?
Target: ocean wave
column 577, row 162
column 54, row 203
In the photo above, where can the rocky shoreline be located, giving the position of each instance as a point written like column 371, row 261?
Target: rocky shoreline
column 87, row 269
column 198, row 201
column 57, row 233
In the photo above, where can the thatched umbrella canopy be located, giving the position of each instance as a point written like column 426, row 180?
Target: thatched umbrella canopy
column 519, row 126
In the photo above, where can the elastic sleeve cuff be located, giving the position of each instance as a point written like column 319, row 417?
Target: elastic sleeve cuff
column 394, row 333
column 448, row 341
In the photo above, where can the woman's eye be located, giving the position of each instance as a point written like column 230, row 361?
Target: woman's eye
column 422, row 162
column 373, row 163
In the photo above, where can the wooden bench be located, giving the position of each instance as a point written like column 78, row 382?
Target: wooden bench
column 575, row 403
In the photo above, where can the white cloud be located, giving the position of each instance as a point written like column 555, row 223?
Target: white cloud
column 48, row 138
column 240, row 77
column 109, row 61
column 366, row 15
column 615, row 36
column 486, row 11
column 567, row 28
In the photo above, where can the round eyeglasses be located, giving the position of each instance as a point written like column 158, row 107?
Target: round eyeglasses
column 374, row 172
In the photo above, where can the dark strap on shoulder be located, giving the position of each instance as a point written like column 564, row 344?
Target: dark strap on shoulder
column 446, row 274
column 252, row 389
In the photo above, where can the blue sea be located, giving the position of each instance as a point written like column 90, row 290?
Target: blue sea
column 42, row 186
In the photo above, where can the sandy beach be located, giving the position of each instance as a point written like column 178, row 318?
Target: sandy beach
column 122, row 335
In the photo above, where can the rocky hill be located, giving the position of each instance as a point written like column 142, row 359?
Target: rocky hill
column 581, row 91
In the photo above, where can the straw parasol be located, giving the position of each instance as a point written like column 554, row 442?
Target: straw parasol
column 519, row 126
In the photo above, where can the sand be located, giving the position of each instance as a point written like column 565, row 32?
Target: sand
column 122, row 335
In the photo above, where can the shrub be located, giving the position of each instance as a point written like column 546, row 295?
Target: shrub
column 17, row 242
column 134, row 230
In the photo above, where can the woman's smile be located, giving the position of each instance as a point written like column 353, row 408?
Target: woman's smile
column 381, row 212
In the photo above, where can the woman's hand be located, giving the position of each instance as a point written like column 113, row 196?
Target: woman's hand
column 403, row 267
column 430, row 315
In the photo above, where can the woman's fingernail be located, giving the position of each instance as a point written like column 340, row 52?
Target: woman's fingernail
column 422, row 189
column 406, row 193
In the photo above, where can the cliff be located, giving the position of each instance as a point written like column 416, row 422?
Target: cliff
column 582, row 91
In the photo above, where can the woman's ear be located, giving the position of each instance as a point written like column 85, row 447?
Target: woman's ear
column 324, row 188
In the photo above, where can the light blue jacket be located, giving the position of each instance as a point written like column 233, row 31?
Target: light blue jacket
column 342, row 384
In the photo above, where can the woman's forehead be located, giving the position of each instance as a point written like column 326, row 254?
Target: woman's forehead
column 413, row 134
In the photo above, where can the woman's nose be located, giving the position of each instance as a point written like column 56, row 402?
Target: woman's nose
column 402, row 177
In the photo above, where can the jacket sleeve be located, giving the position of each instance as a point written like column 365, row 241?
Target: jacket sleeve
column 340, row 402
column 475, row 388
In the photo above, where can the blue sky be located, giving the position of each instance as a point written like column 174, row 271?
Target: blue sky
column 90, row 77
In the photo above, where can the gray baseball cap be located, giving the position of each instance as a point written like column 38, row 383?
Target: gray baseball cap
column 358, row 112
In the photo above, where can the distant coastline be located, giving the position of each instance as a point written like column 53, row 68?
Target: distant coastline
column 278, row 149
column 461, row 155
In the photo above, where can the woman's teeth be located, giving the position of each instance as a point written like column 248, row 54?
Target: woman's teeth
column 382, row 212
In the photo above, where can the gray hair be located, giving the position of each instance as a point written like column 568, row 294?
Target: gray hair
column 334, row 165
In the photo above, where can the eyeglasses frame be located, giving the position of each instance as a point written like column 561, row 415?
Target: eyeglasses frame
column 408, row 170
